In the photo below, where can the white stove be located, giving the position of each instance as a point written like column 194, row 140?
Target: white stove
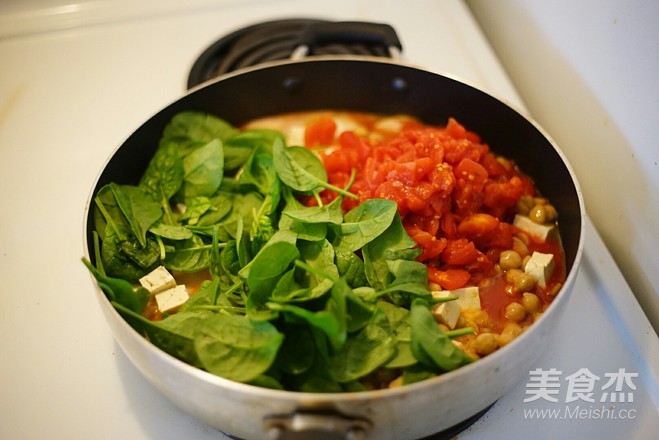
column 77, row 79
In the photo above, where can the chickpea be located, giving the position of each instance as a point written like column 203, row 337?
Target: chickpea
column 481, row 318
column 524, row 204
column 551, row 213
column 531, row 302
column 515, row 312
column 510, row 259
column 537, row 214
column 510, row 332
column 434, row 286
column 523, row 283
column 520, row 247
column 485, row 343
column 512, row 274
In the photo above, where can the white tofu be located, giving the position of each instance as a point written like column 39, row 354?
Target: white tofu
column 468, row 297
column 541, row 267
column 536, row 230
column 158, row 280
column 447, row 313
column 171, row 299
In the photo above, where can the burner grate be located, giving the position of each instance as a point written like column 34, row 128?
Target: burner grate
column 270, row 41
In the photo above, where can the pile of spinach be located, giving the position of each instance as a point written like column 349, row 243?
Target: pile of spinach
column 300, row 298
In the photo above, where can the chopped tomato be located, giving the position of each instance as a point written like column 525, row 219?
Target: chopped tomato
column 320, row 132
column 448, row 279
column 460, row 252
column 478, row 226
column 455, row 197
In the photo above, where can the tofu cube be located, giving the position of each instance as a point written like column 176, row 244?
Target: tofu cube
column 171, row 299
column 447, row 313
column 158, row 280
column 541, row 267
column 536, row 230
column 468, row 297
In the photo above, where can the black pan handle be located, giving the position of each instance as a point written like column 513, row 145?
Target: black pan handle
column 348, row 32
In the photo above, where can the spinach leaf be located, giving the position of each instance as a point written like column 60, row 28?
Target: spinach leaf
column 364, row 223
column 302, row 170
column 247, row 143
column 324, row 320
column 429, row 344
column 267, row 268
column 185, row 322
column 281, row 236
column 359, row 312
column 220, row 207
column 203, row 169
column 189, row 130
column 108, row 217
column 188, row 255
column 398, row 318
column 172, row 232
column 262, row 227
column 171, row 341
column 236, row 347
column 318, row 255
column 138, row 208
column 304, row 230
column 330, row 213
column 369, row 349
column 164, row 176
column 128, row 259
column 259, row 171
column 350, row 266
column 392, row 244
column 120, row 290
column 195, row 207
column 297, row 353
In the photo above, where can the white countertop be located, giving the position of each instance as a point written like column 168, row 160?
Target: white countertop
column 68, row 98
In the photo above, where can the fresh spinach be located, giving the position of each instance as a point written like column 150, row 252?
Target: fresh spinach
column 364, row 223
column 236, row 347
column 203, row 169
column 429, row 344
column 302, row 298
column 302, row 170
column 189, row 130
column 163, row 177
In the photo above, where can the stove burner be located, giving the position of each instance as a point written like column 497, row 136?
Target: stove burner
column 277, row 40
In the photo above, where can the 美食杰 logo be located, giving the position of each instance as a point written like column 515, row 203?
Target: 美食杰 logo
column 585, row 394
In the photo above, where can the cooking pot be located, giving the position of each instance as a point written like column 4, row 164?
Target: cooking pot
column 369, row 84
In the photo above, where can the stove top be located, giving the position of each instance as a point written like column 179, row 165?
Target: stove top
column 278, row 40
column 107, row 66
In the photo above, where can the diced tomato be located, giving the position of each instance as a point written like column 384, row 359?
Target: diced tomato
column 478, row 226
column 320, row 132
column 449, row 279
column 431, row 246
column 503, row 195
column 457, row 130
column 460, row 252
column 492, row 165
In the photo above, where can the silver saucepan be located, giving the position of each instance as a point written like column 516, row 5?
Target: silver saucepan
column 372, row 85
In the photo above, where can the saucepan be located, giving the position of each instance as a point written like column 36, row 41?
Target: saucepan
column 365, row 84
